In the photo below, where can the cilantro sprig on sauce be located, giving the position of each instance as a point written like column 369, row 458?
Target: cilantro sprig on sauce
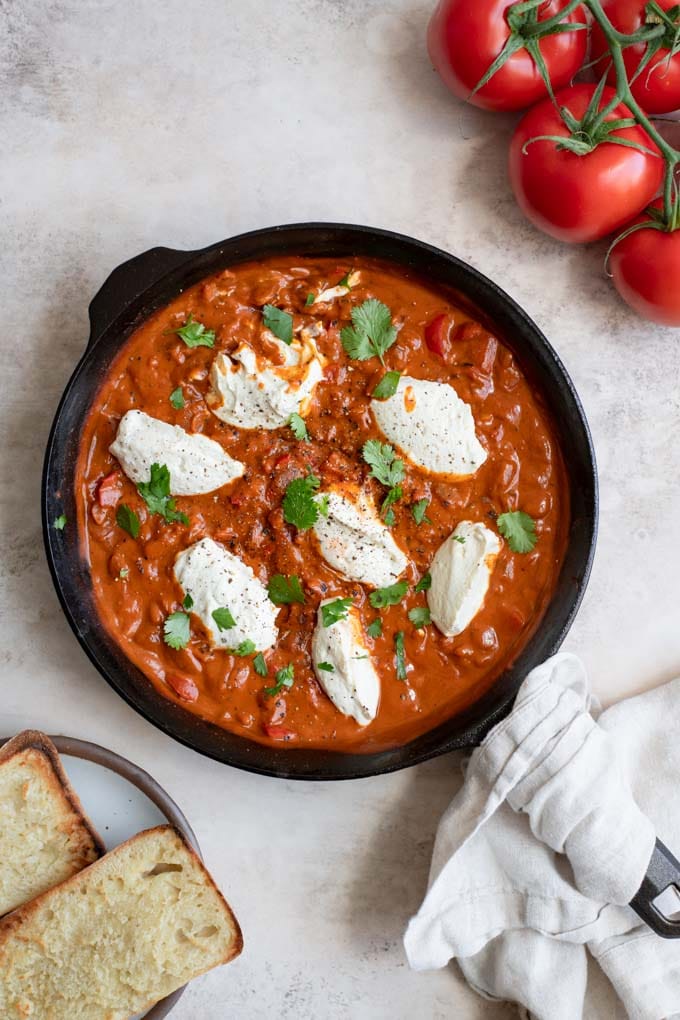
column 194, row 333
column 279, row 323
column 300, row 507
column 156, row 495
column 519, row 529
column 284, row 590
column 177, row 630
column 371, row 333
column 284, row 678
column 389, row 470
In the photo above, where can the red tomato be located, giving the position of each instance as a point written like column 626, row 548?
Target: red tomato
column 645, row 267
column 109, row 490
column 183, row 686
column 580, row 198
column 437, row 334
column 278, row 732
column 464, row 38
column 657, row 89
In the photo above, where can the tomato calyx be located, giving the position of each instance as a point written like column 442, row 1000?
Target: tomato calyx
column 526, row 32
column 593, row 128
column 667, row 40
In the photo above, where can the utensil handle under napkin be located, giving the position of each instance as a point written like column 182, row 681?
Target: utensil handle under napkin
column 661, row 881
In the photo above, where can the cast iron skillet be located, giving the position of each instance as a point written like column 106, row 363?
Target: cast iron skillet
column 151, row 280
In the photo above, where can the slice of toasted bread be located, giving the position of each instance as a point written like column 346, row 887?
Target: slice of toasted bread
column 45, row 836
column 112, row 940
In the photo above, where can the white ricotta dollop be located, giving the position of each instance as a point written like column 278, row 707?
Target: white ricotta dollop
column 461, row 573
column 216, row 579
column 196, row 464
column 340, row 290
column 432, row 426
column 353, row 685
column 354, row 540
column 253, row 392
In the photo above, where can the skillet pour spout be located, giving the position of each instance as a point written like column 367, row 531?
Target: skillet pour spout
column 151, row 280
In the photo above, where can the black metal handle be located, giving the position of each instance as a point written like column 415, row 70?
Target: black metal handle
column 127, row 282
column 663, row 874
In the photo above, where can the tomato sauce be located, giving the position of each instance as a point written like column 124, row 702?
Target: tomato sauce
column 133, row 579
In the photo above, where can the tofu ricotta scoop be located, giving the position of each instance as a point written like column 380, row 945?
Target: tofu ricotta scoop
column 196, row 464
column 216, row 579
column 432, row 426
column 461, row 574
column 354, row 540
column 343, row 666
column 251, row 391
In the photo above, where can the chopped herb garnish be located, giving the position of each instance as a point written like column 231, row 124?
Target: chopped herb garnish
column 128, row 520
column 284, row 590
column 390, row 518
column 390, row 596
column 420, row 616
column 333, row 611
column 393, row 496
column 297, row 425
column 156, row 495
column 322, row 504
column 188, row 601
column 177, row 630
column 259, row 665
column 299, row 506
column 425, row 583
column 223, row 618
column 310, row 299
column 400, row 655
column 177, row 398
column 59, row 522
column 383, row 462
column 371, row 333
column 194, row 334
column 374, row 629
column 246, row 647
column 327, row 667
column 460, row 539
column 349, row 279
column 387, row 386
column 279, row 323
column 123, row 573
column 419, row 511
column 284, row 678
column 519, row 529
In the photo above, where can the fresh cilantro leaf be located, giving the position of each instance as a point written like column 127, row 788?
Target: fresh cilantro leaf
column 460, row 539
column 419, row 511
column 128, row 520
column 284, row 590
column 223, row 618
column 519, row 529
column 390, row 596
column 284, row 678
column 124, row 573
column 299, row 505
column 374, row 629
column 60, row 522
column 387, row 386
column 371, row 333
column 322, row 504
column 425, row 583
column 334, row 611
column 279, row 323
column 177, row 630
column 156, row 495
column 311, row 298
column 188, row 601
column 383, row 462
column 259, row 665
column 390, row 518
column 393, row 496
column 400, row 655
column 349, row 279
column 420, row 616
column 177, row 398
column 194, row 334
column 297, row 425
column 327, row 667
column 246, row 647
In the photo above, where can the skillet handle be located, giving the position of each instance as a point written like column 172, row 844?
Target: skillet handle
column 663, row 876
column 127, row 282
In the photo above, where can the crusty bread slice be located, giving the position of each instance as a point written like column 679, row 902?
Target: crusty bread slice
column 45, row 836
column 112, row 940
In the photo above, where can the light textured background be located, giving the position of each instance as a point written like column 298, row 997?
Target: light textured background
column 126, row 125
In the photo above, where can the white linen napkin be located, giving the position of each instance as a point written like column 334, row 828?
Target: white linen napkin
column 539, row 854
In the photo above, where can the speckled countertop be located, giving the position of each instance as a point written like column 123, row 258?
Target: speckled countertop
column 127, row 125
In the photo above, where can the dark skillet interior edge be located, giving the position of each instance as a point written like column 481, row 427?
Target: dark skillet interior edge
column 151, row 280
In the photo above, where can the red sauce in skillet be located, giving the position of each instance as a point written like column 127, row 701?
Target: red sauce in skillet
column 133, row 580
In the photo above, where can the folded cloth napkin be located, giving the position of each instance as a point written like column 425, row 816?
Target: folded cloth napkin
column 547, row 842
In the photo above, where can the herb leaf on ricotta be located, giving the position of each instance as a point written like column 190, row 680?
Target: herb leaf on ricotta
column 278, row 322
column 387, row 386
column 299, row 506
column 334, row 611
column 223, row 618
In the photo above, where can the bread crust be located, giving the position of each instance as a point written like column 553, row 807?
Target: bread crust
column 29, row 740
